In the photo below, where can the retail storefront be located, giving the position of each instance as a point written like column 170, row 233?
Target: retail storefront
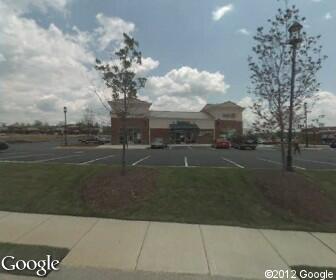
column 175, row 127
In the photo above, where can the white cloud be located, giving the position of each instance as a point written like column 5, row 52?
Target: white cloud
column 219, row 12
column 21, row 6
column 44, row 70
column 2, row 58
column 187, row 80
column 243, row 31
column 147, row 64
column 328, row 16
column 111, row 29
column 185, row 89
column 173, row 103
column 248, row 115
column 325, row 105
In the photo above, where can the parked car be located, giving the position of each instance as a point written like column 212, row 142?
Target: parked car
column 158, row 143
column 333, row 145
column 244, row 142
column 93, row 140
column 221, row 143
column 3, row 145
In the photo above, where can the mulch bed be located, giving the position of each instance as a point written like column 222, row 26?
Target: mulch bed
column 111, row 191
column 295, row 193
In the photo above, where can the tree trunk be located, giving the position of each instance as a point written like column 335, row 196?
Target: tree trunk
column 111, row 128
column 282, row 147
column 123, row 160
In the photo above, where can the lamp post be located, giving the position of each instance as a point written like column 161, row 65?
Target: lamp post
column 294, row 40
column 65, row 126
column 306, row 124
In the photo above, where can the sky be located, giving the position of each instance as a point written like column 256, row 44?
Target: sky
column 194, row 52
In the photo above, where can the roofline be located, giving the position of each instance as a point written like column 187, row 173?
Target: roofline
column 177, row 111
column 219, row 104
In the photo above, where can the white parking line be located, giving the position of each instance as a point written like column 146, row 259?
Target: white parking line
column 11, row 153
column 56, row 158
column 279, row 163
column 232, row 162
column 96, row 159
column 14, row 161
column 186, row 162
column 140, row 160
column 317, row 161
column 30, row 155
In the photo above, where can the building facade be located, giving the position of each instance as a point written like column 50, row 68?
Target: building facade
column 174, row 127
column 319, row 135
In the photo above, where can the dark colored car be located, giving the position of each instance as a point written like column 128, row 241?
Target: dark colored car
column 244, row 143
column 3, row 145
column 158, row 143
column 221, row 143
column 92, row 140
column 333, row 145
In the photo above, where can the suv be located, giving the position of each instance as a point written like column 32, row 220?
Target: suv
column 3, row 145
column 244, row 142
column 333, row 145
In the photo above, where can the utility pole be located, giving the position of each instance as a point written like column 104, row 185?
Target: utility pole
column 65, row 127
column 306, row 124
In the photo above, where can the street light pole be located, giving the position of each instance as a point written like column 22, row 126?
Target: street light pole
column 306, row 124
column 295, row 40
column 65, row 127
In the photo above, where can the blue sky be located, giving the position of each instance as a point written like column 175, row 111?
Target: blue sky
column 182, row 40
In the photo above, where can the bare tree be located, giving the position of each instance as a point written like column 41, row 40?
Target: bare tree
column 104, row 102
column 88, row 121
column 121, row 78
column 270, row 67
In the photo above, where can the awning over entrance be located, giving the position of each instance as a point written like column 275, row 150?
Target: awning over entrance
column 183, row 132
column 183, row 126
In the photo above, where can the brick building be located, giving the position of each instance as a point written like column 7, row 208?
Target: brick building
column 174, row 127
column 319, row 135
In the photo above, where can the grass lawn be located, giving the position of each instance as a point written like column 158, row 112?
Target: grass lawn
column 26, row 253
column 190, row 195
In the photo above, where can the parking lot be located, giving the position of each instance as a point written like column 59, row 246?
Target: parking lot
column 186, row 156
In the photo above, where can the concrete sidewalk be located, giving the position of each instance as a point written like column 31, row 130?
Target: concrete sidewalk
column 129, row 247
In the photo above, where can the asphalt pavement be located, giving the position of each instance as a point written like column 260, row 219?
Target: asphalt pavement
column 186, row 156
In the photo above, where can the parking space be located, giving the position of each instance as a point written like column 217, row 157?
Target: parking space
column 180, row 156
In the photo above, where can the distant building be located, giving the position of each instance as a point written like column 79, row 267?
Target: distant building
column 144, row 125
column 320, row 135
